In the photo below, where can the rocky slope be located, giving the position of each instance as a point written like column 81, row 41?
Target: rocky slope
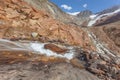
column 51, row 8
column 34, row 35
column 19, row 20
column 105, row 25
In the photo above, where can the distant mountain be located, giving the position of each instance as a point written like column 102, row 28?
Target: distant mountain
column 54, row 10
column 84, row 18
column 84, row 15
column 106, row 16
column 109, row 10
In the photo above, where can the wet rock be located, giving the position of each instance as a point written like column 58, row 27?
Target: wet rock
column 55, row 48
column 82, row 55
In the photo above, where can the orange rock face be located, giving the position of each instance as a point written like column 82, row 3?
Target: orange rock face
column 55, row 48
column 20, row 20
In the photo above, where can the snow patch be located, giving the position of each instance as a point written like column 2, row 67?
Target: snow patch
column 73, row 13
column 93, row 16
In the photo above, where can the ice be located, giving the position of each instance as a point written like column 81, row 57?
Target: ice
column 73, row 13
column 39, row 47
column 31, row 46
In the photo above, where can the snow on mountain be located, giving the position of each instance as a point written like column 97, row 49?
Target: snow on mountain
column 73, row 13
column 95, row 18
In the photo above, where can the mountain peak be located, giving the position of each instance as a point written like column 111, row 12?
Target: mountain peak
column 85, row 13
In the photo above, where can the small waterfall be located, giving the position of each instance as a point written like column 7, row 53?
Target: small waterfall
column 6, row 45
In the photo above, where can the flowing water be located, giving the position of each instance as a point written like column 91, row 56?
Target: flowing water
column 33, row 46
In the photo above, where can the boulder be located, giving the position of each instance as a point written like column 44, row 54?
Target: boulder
column 76, row 62
column 34, row 34
column 55, row 48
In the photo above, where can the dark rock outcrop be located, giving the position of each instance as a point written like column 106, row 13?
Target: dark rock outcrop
column 109, row 10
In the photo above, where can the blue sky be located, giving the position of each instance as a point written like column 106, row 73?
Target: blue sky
column 79, row 5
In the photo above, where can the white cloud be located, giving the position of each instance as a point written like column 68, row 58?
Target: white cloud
column 73, row 13
column 66, row 7
column 85, row 5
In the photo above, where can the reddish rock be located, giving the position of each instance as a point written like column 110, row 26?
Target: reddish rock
column 75, row 62
column 25, row 19
column 55, row 48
